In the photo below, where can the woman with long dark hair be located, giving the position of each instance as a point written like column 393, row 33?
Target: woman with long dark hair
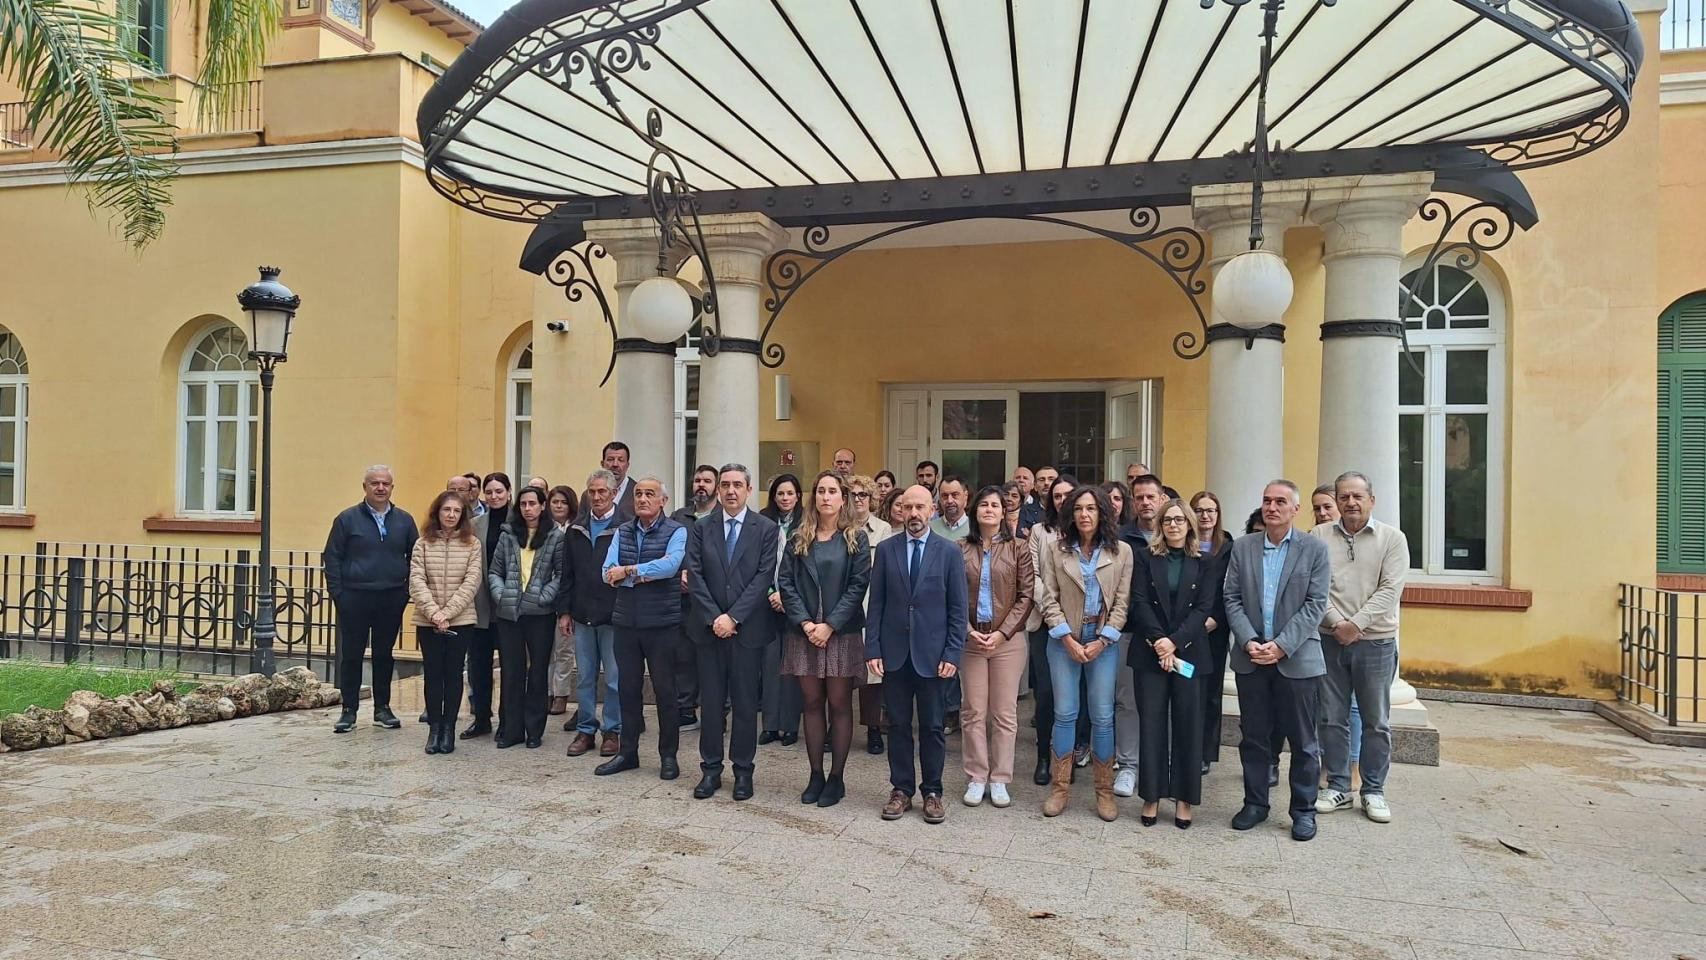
column 482, row 637
column 523, row 578
column 1172, row 592
column 780, row 697
column 999, row 585
column 1214, row 543
column 445, row 570
column 1087, row 574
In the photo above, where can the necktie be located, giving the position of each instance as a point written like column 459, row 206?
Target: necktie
column 729, row 541
column 917, row 562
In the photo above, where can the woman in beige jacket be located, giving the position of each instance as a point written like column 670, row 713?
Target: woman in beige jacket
column 1087, row 583
column 446, row 571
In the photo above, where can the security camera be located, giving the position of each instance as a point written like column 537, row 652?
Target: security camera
column 557, row 326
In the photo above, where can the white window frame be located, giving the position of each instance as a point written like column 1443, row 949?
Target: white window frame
column 1436, row 344
column 247, row 419
column 686, row 354
column 513, row 417
column 19, row 381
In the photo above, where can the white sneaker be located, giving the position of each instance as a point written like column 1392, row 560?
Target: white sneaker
column 1331, row 800
column 1125, row 782
column 974, row 794
column 1375, row 808
column 998, row 795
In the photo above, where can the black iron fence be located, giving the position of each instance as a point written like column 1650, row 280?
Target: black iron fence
column 173, row 608
column 1683, row 25
column 1662, row 656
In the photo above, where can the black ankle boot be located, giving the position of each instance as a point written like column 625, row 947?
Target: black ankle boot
column 432, row 739
column 447, row 737
column 1042, row 776
column 814, row 788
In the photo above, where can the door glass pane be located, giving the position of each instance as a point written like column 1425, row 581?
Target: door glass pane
column 195, row 440
column 691, row 401
column 225, row 492
column 1412, row 474
column 974, row 419
column 8, row 401
column 978, row 467
column 1412, row 386
column 524, row 448
column 1466, row 376
column 195, row 403
column 1066, row 431
column 1466, row 491
column 227, row 399
column 8, row 463
column 523, row 398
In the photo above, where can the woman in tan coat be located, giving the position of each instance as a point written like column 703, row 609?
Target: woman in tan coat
column 999, row 580
column 1087, row 584
column 445, row 571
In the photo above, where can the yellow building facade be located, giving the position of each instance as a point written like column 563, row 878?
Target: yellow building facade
column 422, row 344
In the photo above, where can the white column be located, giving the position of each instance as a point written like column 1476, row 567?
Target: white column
column 1362, row 221
column 1246, row 395
column 737, row 244
column 645, row 372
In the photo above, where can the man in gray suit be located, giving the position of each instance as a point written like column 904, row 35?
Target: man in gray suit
column 1276, row 593
column 731, row 563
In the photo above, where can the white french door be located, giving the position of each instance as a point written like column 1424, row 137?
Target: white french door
column 1133, row 426
column 975, row 434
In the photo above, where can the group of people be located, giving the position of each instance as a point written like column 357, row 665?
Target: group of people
column 928, row 605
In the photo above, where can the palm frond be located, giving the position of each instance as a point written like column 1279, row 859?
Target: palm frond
column 89, row 103
column 238, row 32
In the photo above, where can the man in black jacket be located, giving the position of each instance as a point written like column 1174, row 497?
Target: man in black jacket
column 366, row 565
column 584, row 604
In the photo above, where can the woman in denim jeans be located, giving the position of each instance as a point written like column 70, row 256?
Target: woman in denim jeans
column 1087, row 583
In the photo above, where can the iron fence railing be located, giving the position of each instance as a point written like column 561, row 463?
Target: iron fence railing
column 15, row 132
column 239, row 113
column 1662, row 656
column 1683, row 25
column 167, row 607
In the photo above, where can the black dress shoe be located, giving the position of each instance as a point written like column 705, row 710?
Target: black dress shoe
column 1042, row 776
column 504, row 743
column 383, row 717
column 814, row 789
column 709, row 784
column 874, row 742
column 1303, row 826
column 1146, row 820
column 479, row 728
column 1206, row 765
column 743, row 786
column 616, row 764
column 534, row 743
column 423, row 718
column 432, row 741
column 1248, row 816
column 789, row 739
column 1273, row 774
column 668, row 769
column 768, row 736
column 346, row 721
column 834, row 789
column 1182, row 824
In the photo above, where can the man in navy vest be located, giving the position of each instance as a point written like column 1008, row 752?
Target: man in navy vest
column 915, row 630
column 642, row 564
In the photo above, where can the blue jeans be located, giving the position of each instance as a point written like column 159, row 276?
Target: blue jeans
column 1356, row 730
column 1101, row 676
column 595, row 648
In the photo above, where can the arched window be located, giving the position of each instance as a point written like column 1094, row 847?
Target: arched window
column 219, row 400
column 519, row 413
column 14, row 419
column 1682, row 436
column 1451, row 448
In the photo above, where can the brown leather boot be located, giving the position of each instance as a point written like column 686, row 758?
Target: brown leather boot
column 558, row 706
column 1060, row 787
column 1103, row 770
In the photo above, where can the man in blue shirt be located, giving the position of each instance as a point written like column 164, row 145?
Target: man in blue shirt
column 643, row 562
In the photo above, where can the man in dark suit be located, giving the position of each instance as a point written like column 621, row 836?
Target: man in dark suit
column 731, row 564
column 1276, row 593
column 915, row 631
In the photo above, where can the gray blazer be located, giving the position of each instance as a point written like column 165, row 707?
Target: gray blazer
column 1298, row 606
column 483, row 595
column 509, row 601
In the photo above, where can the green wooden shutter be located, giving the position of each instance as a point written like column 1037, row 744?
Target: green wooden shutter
column 159, row 25
column 1682, row 437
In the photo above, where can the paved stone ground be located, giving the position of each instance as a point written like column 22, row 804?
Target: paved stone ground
column 270, row 837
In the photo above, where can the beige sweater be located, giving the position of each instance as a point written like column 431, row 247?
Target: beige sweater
column 444, row 575
column 1366, row 591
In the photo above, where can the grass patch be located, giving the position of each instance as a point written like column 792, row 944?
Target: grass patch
column 26, row 683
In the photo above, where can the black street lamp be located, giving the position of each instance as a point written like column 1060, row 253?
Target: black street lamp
column 271, row 308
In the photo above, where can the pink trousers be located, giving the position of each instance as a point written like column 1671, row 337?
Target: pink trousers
column 989, row 715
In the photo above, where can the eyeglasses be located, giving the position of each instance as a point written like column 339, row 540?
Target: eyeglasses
column 1174, row 519
column 861, row 496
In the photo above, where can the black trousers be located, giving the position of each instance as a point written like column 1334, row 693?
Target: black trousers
column 368, row 617
column 687, row 679
column 1169, row 736
column 1043, row 687
column 482, row 644
column 903, row 691
column 1213, row 689
column 524, row 655
column 728, row 670
column 641, row 651
column 441, row 658
column 1271, row 704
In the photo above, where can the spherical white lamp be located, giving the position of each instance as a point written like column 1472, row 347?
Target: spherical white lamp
column 1253, row 289
column 660, row 310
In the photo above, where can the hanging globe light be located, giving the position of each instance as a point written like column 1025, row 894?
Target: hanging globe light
column 1253, row 289
column 660, row 309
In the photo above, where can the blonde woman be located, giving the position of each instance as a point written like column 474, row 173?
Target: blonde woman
column 825, row 571
column 445, row 570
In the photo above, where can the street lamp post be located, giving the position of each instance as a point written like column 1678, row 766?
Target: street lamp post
column 271, row 307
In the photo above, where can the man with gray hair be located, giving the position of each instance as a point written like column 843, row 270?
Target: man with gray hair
column 1360, row 643
column 584, row 607
column 731, row 564
column 366, row 566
